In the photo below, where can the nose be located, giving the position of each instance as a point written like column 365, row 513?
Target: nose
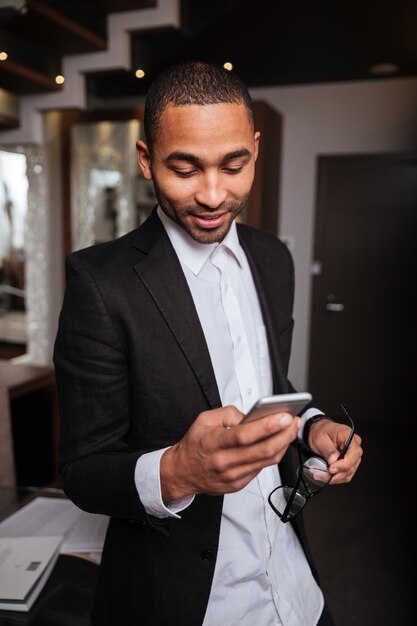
column 211, row 191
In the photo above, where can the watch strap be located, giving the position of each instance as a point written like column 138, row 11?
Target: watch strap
column 309, row 423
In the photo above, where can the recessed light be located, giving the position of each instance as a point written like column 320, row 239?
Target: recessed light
column 139, row 73
column 59, row 79
column 3, row 56
column 228, row 66
column 384, row 69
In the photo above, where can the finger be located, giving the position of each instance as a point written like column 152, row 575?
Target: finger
column 231, row 486
column 227, row 416
column 345, row 470
column 251, row 432
column 237, row 476
column 351, row 457
column 253, row 457
column 345, row 477
column 331, row 448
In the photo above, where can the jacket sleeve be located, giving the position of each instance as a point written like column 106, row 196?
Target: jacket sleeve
column 90, row 358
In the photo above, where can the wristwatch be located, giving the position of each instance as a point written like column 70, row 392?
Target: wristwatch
column 310, row 422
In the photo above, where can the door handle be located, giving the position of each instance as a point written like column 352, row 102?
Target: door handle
column 335, row 307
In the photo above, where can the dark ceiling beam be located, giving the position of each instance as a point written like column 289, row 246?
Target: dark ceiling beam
column 7, row 122
column 66, row 27
column 21, row 79
column 50, row 29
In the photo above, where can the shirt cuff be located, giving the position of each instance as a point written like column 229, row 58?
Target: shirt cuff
column 148, row 486
column 311, row 412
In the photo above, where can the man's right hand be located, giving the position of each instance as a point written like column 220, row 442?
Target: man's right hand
column 219, row 455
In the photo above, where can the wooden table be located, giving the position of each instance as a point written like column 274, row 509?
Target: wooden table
column 67, row 598
column 17, row 380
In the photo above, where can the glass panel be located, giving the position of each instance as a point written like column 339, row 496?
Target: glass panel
column 13, row 225
column 110, row 196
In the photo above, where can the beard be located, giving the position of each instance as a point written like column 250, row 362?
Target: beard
column 186, row 216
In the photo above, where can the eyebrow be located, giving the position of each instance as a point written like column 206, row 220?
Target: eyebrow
column 195, row 160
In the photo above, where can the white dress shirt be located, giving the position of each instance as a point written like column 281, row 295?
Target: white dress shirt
column 261, row 575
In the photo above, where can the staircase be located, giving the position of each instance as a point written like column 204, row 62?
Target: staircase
column 41, row 36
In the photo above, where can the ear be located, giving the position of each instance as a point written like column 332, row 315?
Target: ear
column 144, row 159
column 257, row 137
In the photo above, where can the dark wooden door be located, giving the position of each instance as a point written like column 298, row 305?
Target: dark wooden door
column 363, row 322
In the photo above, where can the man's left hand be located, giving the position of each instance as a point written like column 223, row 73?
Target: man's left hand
column 327, row 438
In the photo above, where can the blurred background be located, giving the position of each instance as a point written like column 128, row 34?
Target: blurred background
column 335, row 93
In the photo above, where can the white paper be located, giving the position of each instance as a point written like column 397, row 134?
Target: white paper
column 87, row 534
column 25, row 564
column 44, row 517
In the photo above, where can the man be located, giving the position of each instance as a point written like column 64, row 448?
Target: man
column 167, row 337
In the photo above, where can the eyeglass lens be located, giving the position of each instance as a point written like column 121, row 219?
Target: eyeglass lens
column 315, row 474
column 313, row 477
column 278, row 499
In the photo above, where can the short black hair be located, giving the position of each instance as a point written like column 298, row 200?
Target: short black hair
column 193, row 83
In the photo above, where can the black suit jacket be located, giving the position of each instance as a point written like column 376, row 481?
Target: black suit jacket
column 133, row 372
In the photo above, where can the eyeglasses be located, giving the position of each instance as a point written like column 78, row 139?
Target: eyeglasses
column 312, row 477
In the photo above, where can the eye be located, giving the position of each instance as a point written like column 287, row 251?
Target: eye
column 234, row 166
column 233, row 170
column 184, row 173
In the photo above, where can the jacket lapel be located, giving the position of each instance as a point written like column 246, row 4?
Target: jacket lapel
column 263, row 270
column 160, row 271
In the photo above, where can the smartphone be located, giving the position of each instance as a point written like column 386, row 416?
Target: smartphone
column 291, row 403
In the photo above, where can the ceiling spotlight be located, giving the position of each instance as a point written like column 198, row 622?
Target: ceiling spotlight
column 228, row 66
column 3, row 56
column 384, row 69
column 139, row 73
column 59, row 79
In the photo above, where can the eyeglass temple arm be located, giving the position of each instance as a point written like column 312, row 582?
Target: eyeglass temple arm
column 295, row 488
column 352, row 432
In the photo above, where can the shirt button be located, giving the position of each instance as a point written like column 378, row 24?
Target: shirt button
column 239, row 339
column 250, row 391
column 207, row 555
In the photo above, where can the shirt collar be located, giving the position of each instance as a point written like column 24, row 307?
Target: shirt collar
column 192, row 253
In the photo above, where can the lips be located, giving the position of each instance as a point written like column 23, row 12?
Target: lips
column 210, row 220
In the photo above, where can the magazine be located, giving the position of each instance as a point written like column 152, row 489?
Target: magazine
column 25, row 565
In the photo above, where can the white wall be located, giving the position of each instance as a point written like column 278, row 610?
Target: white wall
column 358, row 117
